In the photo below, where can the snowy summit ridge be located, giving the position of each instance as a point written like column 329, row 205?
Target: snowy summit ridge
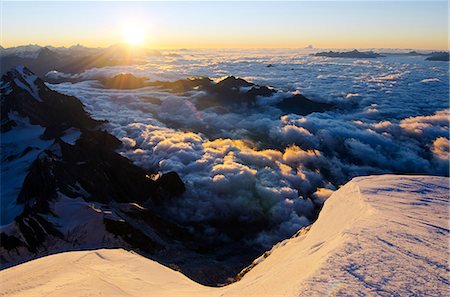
column 376, row 236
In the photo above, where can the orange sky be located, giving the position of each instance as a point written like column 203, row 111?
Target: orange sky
column 419, row 25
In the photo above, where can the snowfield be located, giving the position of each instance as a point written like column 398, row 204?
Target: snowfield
column 376, row 236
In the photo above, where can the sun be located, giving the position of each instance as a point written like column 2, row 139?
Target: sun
column 133, row 34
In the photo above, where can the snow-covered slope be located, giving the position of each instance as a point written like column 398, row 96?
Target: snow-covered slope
column 378, row 235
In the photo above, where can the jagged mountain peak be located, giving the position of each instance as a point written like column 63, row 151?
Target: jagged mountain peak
column 25, row 93
column 45, row 52
column 22, row 78
column 234, row 82
column 21, row 71
column 24, row 51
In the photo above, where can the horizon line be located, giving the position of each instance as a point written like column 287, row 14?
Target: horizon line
column 228, row 48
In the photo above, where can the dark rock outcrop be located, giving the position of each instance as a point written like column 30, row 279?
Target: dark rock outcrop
column 232, row 92
column 354, row 54
column 225, row 93
column 410, row 53
column 301, row 105
column 234, row 83
column 124, row 81
column 170, row 185
column 183, row 85
column 438, row 56
column 90, row 169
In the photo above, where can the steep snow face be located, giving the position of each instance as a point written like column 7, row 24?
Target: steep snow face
column 27, row 81
column 24, row 79
column 377, row 235
column 19, row 148
column 81, row 222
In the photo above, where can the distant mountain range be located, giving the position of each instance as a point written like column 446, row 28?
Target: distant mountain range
column 438, row 56
column 78, row 58
column 74, row 59
column 355, row 54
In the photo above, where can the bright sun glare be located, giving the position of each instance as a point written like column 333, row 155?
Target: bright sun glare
column 133, row 35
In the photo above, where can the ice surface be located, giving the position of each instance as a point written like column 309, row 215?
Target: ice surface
column 376, row 236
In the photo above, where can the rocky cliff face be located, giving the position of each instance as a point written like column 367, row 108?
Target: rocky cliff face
column 27, row 95
column 78, row 163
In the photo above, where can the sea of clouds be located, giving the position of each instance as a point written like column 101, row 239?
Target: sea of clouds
column 258, row 169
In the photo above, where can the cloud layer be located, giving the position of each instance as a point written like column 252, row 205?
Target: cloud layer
column 263, row 170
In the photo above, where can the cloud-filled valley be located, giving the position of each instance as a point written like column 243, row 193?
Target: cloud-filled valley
column 256, row 172
column 221, row 148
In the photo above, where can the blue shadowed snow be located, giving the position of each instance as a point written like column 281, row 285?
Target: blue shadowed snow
column 19, row 148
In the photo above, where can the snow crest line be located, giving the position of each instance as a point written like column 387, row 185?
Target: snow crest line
column 376, row 236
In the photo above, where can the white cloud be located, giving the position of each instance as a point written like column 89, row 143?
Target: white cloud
column 248, row 165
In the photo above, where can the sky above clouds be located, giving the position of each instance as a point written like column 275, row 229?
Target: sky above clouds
column 186, row 24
